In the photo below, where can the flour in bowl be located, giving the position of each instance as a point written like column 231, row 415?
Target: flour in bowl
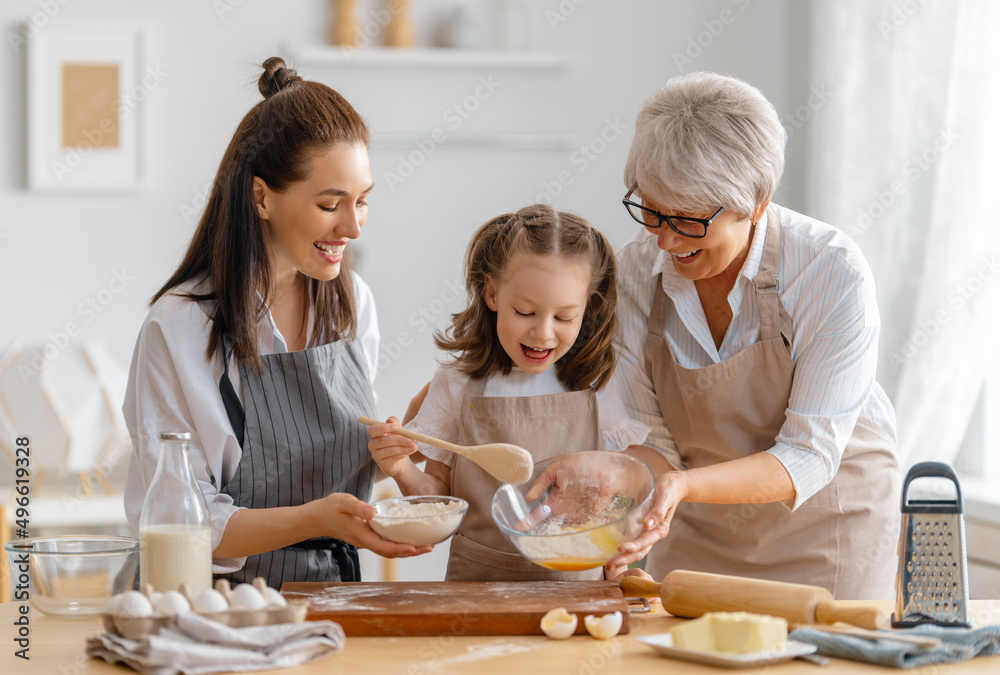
column 418, row 522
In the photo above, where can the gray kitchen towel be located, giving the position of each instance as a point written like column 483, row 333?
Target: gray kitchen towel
column 957, row 644
column 194, row 645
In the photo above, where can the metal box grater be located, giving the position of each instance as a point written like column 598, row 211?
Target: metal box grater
column 932, row 584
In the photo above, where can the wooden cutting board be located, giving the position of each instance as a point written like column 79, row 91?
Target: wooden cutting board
column 455, row 607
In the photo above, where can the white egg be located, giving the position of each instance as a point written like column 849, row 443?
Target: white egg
column 274, row 598
column 134, row 604
column 603, row 627
column 246, row 597
column 171, row 603
column 559, row 624
column 209, row 600
column 113, row 602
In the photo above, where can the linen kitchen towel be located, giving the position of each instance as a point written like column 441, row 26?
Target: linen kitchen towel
column 193, row 645
column 957, row 644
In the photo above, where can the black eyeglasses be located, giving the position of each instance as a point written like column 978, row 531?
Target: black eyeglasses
column 686, row 227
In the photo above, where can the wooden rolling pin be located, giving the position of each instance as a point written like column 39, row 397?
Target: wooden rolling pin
column 691, row 594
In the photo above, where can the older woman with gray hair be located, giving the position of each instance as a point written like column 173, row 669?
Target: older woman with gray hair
column 749, row 337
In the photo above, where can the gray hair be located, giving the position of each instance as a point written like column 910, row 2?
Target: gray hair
column 706, row 140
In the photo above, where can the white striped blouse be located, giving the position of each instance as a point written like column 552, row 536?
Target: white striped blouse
column 828, row 290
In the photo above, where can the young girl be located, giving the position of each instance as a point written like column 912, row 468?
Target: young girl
column 541, row 285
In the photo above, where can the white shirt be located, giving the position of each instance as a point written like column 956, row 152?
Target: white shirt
column 440, row 412
column 172, row 387
column 828, row 291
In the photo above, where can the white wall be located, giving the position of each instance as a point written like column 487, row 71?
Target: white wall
column 56, row 251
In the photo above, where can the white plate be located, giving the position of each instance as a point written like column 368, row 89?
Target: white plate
column 663, row 643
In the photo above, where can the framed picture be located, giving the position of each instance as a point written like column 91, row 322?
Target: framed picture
column 85, row 98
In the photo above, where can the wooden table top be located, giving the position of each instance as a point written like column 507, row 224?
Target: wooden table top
column 57, row 648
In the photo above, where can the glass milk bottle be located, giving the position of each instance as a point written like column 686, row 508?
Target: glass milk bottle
column 175, row 532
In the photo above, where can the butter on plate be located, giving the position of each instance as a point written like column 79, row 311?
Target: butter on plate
column 731, row 633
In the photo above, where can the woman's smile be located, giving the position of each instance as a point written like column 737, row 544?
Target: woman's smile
column 686, row 258
column 331, row 251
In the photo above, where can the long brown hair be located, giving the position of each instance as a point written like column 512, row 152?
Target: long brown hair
column 275, row 141
column 538, row 230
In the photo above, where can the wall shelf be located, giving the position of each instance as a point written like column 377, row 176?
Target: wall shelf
column 450, row 59
column 484, row 141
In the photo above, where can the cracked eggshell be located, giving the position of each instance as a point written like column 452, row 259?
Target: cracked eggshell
column 559, row 624
column 603, row 627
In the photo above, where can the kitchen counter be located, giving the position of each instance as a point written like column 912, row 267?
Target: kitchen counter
column 57, row 649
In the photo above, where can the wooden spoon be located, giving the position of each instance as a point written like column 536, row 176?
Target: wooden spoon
column 506, row 462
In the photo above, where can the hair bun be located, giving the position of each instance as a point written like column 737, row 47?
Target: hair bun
column 276, row 76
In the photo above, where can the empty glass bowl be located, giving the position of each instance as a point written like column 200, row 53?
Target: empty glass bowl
column 582, row 506
column 420, row 520
column 75, row 575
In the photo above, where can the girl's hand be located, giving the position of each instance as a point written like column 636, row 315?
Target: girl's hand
column 671, row 489
column 346, row 517
column 390, row 450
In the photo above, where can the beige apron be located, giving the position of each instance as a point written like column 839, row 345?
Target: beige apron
column 843, row 537
column 544, row 425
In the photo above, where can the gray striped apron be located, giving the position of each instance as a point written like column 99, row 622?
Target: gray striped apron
column 298, row 427
column 736, row 408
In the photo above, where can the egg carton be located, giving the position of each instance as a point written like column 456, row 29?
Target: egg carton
column 138, row 628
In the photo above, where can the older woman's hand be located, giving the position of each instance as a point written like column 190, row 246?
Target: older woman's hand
column 671, row 489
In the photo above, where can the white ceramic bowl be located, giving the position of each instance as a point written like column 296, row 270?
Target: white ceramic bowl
column 578, row 522
column 73, row 575
column 420, row 520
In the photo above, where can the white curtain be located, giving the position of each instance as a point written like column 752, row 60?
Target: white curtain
column 905, row 157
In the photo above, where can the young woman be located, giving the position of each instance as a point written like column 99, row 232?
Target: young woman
column 531, row 355
column 263, row 346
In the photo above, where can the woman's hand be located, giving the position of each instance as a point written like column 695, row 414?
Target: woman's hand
column 619, row 573
column 345, row 517
column 390, row 450
column 575, row 487
column 671, row 489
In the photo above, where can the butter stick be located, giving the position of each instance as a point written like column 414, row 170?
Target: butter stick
column 731, row 633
